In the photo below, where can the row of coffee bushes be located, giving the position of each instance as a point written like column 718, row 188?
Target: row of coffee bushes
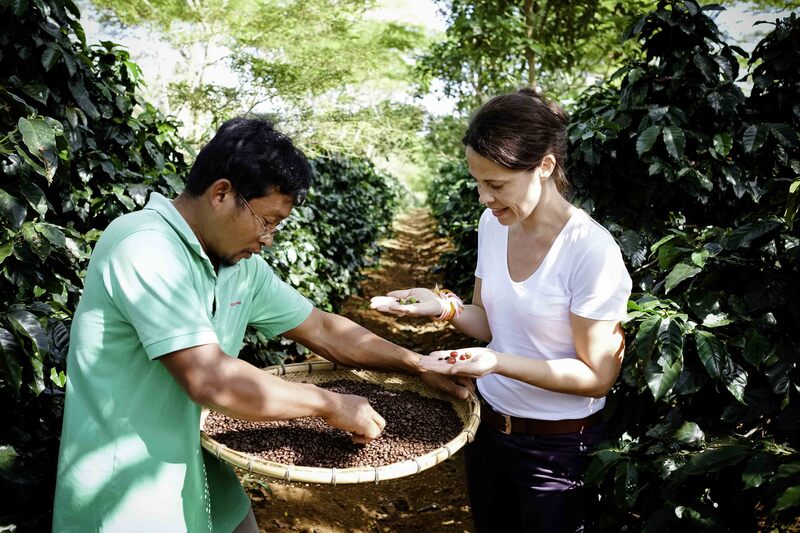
column 700, row 184
column 329, row 241
column 79, row 147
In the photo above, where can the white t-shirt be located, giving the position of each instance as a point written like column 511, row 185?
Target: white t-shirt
column 583, row 273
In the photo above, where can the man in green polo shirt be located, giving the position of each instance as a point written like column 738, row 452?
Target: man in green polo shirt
column 168, row 295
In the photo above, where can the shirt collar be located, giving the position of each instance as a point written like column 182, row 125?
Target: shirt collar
column 164, row 207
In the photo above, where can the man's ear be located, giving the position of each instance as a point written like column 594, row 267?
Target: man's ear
column 547, row 166
column 219, row 190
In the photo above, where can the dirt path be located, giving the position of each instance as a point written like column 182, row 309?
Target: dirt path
column 432, row 501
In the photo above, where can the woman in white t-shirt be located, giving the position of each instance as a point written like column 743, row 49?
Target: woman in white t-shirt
column 550, row 291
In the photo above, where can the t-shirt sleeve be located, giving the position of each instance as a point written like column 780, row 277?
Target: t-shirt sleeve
column 481, row 240
column 277, row 307
column 149, row 279
column 601, row 285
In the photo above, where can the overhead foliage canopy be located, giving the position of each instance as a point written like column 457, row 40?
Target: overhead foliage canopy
column 336, row 78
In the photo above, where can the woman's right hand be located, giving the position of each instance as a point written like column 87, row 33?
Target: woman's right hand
column 355, row 415
column 425, row 303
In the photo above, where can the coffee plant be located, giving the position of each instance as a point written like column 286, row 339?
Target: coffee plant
column 79, row 147
column 695, row 179
column 699, row 183
column 453, row 199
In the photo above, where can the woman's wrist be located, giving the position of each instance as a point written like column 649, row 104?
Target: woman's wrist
column 451, row 305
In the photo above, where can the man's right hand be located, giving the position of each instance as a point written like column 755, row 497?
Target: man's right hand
column 354, row 414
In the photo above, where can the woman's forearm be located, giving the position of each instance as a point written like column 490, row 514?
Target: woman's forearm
column 473, row 322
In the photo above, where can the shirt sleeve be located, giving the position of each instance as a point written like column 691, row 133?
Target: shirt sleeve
column 149, row 279
column 277, row 307
column 601, row 285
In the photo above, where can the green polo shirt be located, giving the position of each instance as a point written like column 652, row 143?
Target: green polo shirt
column 130, row 456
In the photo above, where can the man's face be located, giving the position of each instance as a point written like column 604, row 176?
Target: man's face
column 242, row 227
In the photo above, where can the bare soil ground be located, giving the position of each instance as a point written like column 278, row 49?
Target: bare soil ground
column 434, row 500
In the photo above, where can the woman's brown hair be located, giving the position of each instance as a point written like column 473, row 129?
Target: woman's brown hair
column 518, row 130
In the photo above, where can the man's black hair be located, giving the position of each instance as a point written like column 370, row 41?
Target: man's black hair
column 255, row 157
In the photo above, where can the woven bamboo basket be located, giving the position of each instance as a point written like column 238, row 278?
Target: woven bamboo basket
column 316, row 372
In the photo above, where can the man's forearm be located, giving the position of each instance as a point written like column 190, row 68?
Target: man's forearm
column 349, row 344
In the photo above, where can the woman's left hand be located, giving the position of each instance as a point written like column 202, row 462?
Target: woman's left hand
column 469, row 362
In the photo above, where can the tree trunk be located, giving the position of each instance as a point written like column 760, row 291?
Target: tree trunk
column 530, row 56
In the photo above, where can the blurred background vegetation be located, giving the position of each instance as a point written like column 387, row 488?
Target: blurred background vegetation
column 683, row 142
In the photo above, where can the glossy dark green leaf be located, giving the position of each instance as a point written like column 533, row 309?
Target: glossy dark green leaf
column 745, row 234
column 675, row 141
column 12, row 209
column 50, row 57
column 680, row 272
column 716, row 459
column 78, row 90
column 6, row 249
column 646, row 337
column 664, row 370
column 35, row 196
column 36, row 241
column 36, row 384
column 11, row 358
column 647, row 139
column 26, row 323
column 7, row 457
column 711, row 351
column 52, row 233
column 756, row 471
column 723, row 143
column 789, row 499
column 734, row 377
column 40, row 139
column 626, row 484
column 753, row 138
column 690, row 433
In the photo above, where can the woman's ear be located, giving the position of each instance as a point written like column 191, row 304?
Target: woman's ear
column 547, row 166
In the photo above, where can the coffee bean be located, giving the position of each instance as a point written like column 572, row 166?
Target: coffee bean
column 415, row 425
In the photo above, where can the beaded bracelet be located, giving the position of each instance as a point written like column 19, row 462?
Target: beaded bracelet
column 452, row 305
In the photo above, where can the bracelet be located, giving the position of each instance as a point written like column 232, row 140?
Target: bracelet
column 452, row 305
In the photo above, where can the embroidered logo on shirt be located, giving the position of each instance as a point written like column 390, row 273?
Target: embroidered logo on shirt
column 237, row 302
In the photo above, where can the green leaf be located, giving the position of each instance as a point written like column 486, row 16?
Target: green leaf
column 675, row 141
column 12, row 209
column 25, row 322
column 680, row 272
column 755, row 470
column 790, row 498
column 734, row 377
column 35, row 196
column 711, row 351
column 784, row 134
column 19, row 7
column 626, row 484
column 37, row 384
column 50, row 57
column 647, row 139
column 58, row 378
column 716, row 459
column 723, row 143
column 40, row 139
column 646, row 337
column 6, row 249
column 753, row 138
column 10, row 355
column 7, row 456
column 78, row 90
column 744, row 235
column 52, row 233
column 39, row 245
column 787, row 470
column 690, row 433
column 663, row 373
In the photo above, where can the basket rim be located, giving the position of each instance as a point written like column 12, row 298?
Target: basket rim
column 333, row 476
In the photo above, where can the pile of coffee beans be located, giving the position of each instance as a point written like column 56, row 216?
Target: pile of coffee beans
column 415, row 425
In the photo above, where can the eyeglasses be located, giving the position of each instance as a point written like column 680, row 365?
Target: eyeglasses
column 267, row 231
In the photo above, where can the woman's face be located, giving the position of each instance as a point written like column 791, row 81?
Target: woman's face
column 512, row 195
